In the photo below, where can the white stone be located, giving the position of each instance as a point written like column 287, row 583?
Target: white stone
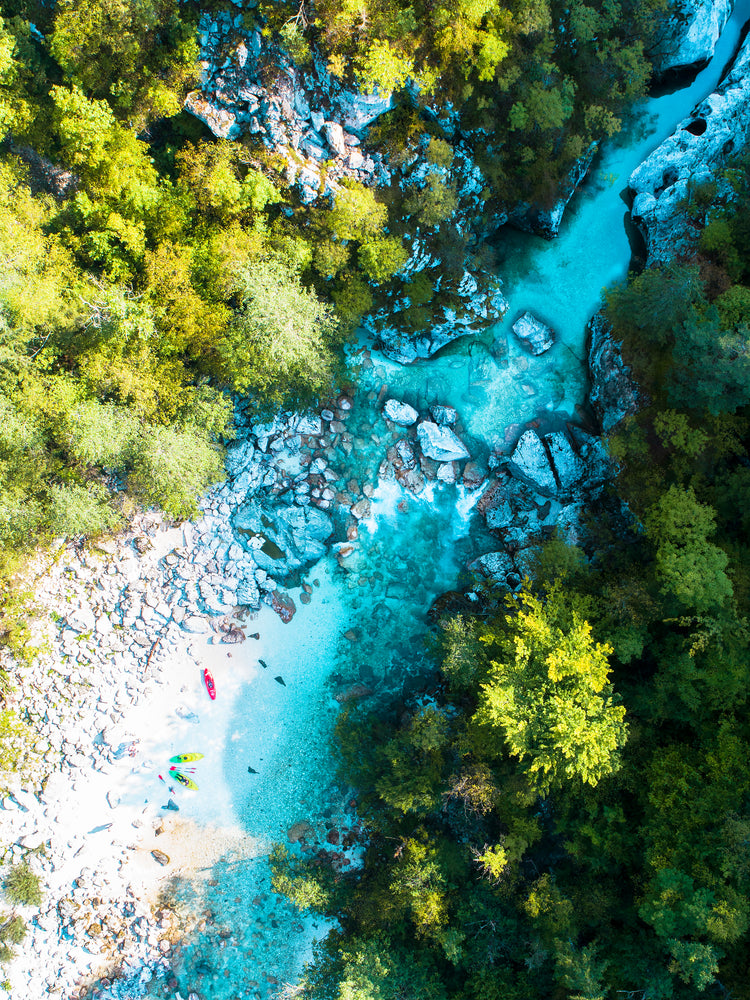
column 440, row 443
column 400, row 413
column 531, row 463
column 536, row 336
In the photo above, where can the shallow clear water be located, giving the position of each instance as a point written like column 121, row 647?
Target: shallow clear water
column 367, row 618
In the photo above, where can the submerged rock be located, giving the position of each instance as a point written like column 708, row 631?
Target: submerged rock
column 282, row 604
column 445, row 416
column 440, row 443
column 400, row 413
column 535, row 335
column 286, row 538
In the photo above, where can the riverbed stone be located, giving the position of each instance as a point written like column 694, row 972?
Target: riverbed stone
column 440, row 443
column 535, row 335
column 444, row 416
column 400, row 413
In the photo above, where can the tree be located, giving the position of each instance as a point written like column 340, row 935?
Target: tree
column 279, row 346
column 547, row 700
column 711, row 364
column 22, row 886
column 687, row 565
column 138, row 54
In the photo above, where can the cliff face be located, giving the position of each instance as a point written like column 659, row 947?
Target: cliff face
column 693, row 155
column 690, row 35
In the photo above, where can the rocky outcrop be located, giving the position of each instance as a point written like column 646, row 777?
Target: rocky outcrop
column 536, row 336
column 689, row 35
column 718, row 128
column 285, row 538
column 546, row 222
column 481, row 303
column 304, row 115
column 613, row 394
column 544, row 486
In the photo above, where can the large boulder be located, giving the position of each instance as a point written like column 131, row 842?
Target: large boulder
column 476, row 301
column 568, row 466
column 700, row 147
column 689, row 35
column 535, row 335
column 285, row 538
column 613, row 394
column 531, row 463
column 400, row 413
column 497, row 566
column 440, row 443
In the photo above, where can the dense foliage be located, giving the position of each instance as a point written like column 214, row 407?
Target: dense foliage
column 564, row 812
column 535, row 81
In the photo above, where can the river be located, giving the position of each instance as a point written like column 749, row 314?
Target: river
column 240, row 939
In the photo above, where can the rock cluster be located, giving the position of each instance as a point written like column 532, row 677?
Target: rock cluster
column 301, row 114
column 124, row 609
column 429, row 451
column 718, row 128
column 544, row 485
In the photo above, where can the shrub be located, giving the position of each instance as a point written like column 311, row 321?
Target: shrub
column 22, row 886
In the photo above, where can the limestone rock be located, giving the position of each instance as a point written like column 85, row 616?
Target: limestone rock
column 445, row 416
column 700, row 147
column 613, row 394
column 568, row 467
column 195, row 624
column 530, row 462
column 481, row 302
column 221, row 121
column 286, row 538
column 440, row 443
column 400, row 413
column 535, row 335
column 497, row 566
column 160, row 857
column 690, row 34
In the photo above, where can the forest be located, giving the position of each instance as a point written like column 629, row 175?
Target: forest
column 563, row 811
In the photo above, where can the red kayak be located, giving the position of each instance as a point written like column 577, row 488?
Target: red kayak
column 210, row 686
